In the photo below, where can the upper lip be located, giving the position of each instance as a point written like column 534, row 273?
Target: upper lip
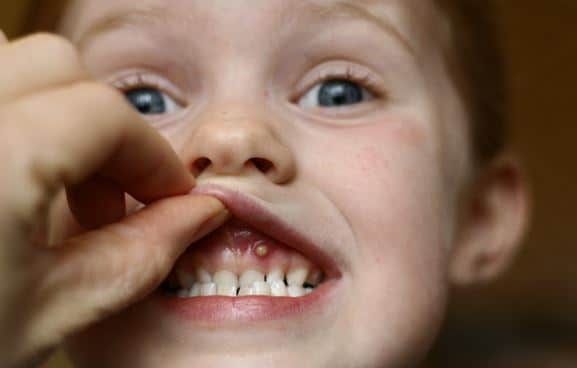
column 248, row 210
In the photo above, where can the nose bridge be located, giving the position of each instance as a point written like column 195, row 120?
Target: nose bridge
column 237, row 141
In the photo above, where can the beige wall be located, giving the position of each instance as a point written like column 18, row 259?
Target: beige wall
column 541, row 39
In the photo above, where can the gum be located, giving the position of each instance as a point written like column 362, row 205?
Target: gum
column 237, row 247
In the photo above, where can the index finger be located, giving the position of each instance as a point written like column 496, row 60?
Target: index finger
column 72, row 134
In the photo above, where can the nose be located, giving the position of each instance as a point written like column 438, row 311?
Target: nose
column 236, row 144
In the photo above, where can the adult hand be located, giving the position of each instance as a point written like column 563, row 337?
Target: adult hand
column 60, row 129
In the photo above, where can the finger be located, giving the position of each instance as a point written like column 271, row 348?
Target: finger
column 104, row 271
column 96, row 202
column 36, row 63
column 3, row 38
column 71, row 134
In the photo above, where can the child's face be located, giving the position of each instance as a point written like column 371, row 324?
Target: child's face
column 352, row 105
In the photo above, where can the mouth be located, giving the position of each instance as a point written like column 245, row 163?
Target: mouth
column 253, row 267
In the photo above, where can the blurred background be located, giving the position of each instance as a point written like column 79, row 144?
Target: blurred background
column 528, row 318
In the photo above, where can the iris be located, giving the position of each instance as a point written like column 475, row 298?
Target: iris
column 147, row 101
column 339, row 93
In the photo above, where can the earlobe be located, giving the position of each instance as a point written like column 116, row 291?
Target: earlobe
column 494, row 217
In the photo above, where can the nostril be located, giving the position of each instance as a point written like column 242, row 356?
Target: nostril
column 262, row 164
column 199, row 165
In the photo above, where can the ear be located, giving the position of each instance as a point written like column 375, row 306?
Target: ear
column 494, row 217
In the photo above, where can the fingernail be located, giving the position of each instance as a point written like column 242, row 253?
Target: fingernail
column 212, row 223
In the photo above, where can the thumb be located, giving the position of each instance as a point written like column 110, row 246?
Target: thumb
column 103, row 271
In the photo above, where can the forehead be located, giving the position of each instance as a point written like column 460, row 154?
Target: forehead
column 408, row 20
column 272, row 8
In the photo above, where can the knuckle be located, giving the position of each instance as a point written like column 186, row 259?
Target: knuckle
column 54, row 43
column 58, row 50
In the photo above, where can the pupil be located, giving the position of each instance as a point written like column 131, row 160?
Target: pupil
column 147, row 100
column 340, row 92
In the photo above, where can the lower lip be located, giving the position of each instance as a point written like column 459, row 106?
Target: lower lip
column 224, row 309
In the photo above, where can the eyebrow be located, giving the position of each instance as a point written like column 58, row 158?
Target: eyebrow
column 119, row 20
column 354, row 9
column 346, row 9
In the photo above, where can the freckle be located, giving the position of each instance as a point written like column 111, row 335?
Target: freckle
column 261, row 250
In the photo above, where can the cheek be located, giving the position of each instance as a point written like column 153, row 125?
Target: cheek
column 388, row 184
column 387, row 180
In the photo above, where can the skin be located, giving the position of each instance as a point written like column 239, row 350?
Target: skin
column 88, row 269
column 391, row 178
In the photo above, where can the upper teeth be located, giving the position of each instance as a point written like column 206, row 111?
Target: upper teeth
column 297, row 276
column 298, row 282
column 249, row 277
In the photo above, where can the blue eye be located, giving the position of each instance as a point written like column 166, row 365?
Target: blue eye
column 151, row 101
column 335, row 93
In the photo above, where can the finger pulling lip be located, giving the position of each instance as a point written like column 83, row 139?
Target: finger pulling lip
column 249, row 211
column 219, row 309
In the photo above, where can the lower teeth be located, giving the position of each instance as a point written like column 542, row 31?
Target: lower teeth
column 276, row 289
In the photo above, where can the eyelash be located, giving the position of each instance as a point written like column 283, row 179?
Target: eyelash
column 144, row 80
column 350, row 73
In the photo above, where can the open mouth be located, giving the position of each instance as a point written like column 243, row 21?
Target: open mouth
column 254, row 267
column 237, row 260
